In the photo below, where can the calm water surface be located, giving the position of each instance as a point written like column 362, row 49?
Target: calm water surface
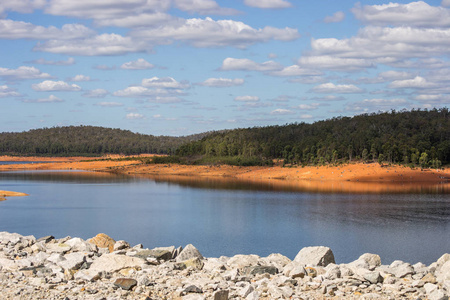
column 227, row 217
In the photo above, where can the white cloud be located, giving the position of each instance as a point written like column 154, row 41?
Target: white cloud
column 80, row 77
column 209, row 33
column 104, row 44
column 244, row 64
column 306, row 116
column 296, row 70
column 49, row 85
column 371, row 105
column 337, row 17
column 136, row 20
column 134, row 116
column 445, row 3
column 222, row 82
column 21, row 6
column 140, row 91
column 437, row 99
column 339, row 89
column 23, row 72
column 203, row 7
column 268, row 3
column 415, row 83
column 50, row 99
column 328, row 98
column 6, row 91
column 13, row 30
column 308, row 106
column 109, row 104
column 140, row 64
column 41, row 61
column 329, row 62
column 282, row 111
column 104, row 9
column 246, row 98
column 165, row 82
column 97, row 93
column 410, row 14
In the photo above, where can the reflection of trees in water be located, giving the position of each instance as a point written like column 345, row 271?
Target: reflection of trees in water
column 346, row 187
column 66, row 176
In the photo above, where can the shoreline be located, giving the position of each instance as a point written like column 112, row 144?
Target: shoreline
column 100, row 268
column 356, row 172
column 349, row 178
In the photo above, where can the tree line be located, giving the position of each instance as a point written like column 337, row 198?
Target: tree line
column 416, row 137
column 87, row 140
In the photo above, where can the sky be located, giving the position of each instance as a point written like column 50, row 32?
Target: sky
column 180, row 67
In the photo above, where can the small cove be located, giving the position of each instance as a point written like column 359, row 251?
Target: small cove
column 227, row 217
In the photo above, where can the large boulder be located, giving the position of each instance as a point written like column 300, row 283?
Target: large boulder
column 317, row 256
column 114, row 262
column 102, row 240
column 189, row 252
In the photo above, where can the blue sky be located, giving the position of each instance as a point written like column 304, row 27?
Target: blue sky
column 178, row 67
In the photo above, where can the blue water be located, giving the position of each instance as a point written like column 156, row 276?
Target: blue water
column 228, row 218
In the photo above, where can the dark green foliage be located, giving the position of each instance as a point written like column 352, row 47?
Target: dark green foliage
column 392, row 137
column 87, row 141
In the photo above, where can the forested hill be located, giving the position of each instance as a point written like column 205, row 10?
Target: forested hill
column 87, row 140
column 417, row 137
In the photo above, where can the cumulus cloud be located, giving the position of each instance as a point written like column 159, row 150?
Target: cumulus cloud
column 13, row 30
column 134, row 116
column 109, row 104
column 268, row 3
column 6, row 91
column 329, row 62
column 445, row 3
column 21, row 6
column 311, row 106
column 246, row 98
column 338, row 89
column 222, row 82
column 49, row 85
column 296, row 70
column 370, row 105
column 210, row 33
column 41, row 61
column 337, row 17
column 80, row 78
column 104, row 44
column 415, row 83
column 50, row 99
column 97, row 93
column 282, row 111
column 244, row 64
column 410, row 14
column 203, row 7
column 23, row 72
column 165, row 82
column 140, row 91
column 140, row 64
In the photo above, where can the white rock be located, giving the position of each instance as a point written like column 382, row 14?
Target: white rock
column 81, row 245
column 112, row 263
column 317, row 256
column 87, row 275
column 188, row 252
column 241, row 261
column 72, row 261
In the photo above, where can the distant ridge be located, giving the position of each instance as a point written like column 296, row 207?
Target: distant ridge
column 416, row 137
column 87, row 140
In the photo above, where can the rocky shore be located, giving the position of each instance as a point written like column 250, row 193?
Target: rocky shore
column 101, row 268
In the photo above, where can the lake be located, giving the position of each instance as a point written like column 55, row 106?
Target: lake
column 228, row 217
